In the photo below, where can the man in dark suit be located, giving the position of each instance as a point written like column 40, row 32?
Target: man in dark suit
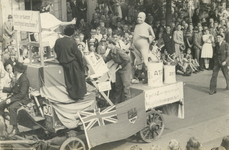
column 19, row 96
column 197, row 44
column 74, row 7
column 221, row 61
column 168, row 40
column 82, row 7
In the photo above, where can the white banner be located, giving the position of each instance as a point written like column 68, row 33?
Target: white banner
column 166, row 94
column 27, row 21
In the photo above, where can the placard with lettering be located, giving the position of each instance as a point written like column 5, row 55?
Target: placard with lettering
column 166, row 94
column 27, row 21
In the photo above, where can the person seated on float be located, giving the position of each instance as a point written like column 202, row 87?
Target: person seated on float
column 19, row 95
column 49, row 23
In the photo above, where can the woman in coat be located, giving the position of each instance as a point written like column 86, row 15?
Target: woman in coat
column 178, row 38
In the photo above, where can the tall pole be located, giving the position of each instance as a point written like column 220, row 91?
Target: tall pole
column 168, row 15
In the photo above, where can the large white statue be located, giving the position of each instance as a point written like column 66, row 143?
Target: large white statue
column 143, row 36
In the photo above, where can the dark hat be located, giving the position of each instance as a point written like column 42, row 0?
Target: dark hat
column 10, row 16
column 19, row 67
column 112, row 41
column 69, row 31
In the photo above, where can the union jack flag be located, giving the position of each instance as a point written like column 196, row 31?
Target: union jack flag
column 98, row 117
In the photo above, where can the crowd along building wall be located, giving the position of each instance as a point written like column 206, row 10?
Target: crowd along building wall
column 8, row 6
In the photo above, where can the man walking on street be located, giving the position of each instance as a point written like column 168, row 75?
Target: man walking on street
column 221, row 61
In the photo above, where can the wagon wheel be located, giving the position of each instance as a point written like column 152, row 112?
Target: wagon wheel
column 155, row 127
column 73, row 143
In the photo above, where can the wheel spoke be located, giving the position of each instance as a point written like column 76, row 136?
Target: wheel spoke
column 156, row 132
column 146, row 133
column 152, row 135
column 77, row 144
column 69, row 147
column 145, row 129
column 80, row 148
column 73, row 144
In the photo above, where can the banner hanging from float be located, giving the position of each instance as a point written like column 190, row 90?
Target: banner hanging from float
column 167, row 94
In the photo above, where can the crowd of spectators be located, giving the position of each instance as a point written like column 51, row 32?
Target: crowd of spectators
column 192, row 144
column 188, row 40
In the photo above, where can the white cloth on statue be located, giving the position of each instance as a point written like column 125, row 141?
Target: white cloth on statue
column 49, row 21
column 207, row 50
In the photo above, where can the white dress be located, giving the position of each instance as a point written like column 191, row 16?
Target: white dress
column 207, row 51
column 49, row 21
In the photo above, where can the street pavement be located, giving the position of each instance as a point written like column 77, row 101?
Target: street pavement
column 206, row 116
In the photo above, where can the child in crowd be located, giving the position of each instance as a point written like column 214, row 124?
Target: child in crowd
column 174, row 145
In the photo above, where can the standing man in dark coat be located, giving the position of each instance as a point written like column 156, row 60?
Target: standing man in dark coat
column 19, row 94
column 74, row 7
column 122, row 83
column 195, row 17
column 168, row 40
column 221, row 61
column 70, row 57
column 197, row 45
column 82, row 6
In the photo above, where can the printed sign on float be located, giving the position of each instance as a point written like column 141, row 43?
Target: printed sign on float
column 164, row 95
column 96, row 64
column 27, row 21
column 104, row 86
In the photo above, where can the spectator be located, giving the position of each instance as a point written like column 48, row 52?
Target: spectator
column 82, row 6
column 8, row 32
column 225, row 142
column 207, row 50
column 193, row 144
column 174, row 145
column 74, row 7
column 178, row 41
column 195, row 17
column 197, row 44
column 168, row 40
column 155, row 147
column 135, row 147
